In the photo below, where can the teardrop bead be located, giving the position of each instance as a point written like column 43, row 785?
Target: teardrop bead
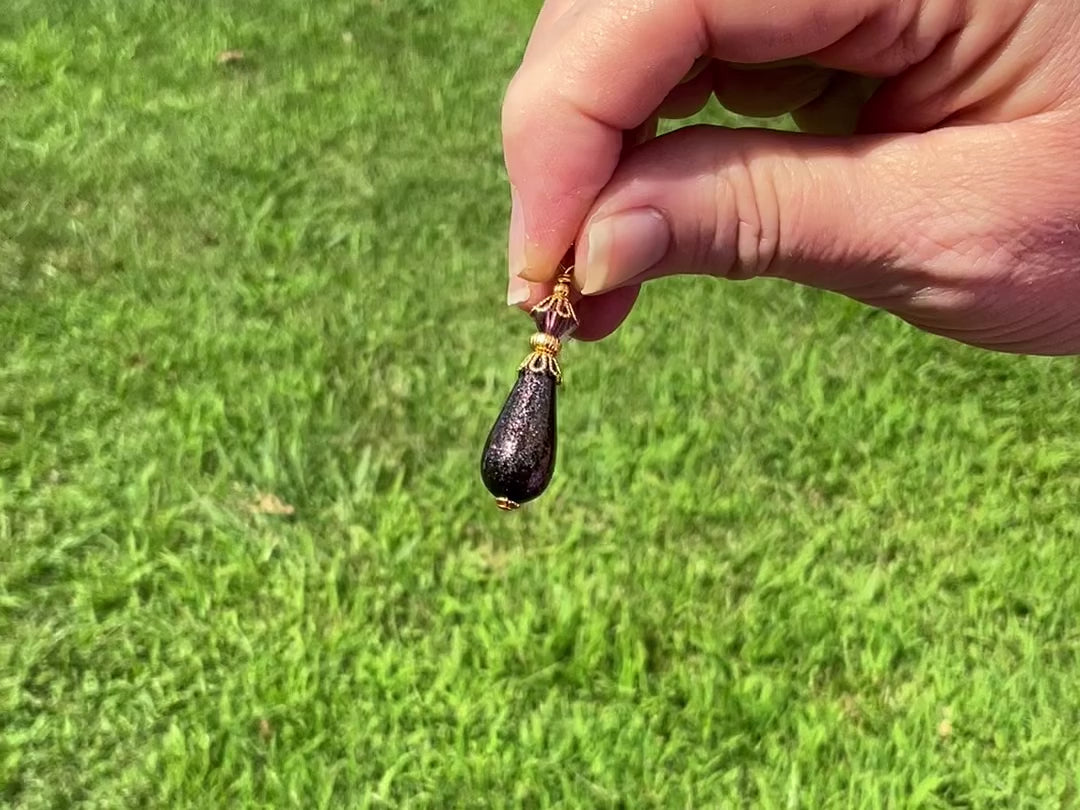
column 519, row 455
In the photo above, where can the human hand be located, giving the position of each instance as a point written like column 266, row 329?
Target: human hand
column 954, row 203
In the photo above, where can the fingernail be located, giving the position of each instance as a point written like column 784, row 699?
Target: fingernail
column 517, row 291
column 516, row 246
column 623, row 246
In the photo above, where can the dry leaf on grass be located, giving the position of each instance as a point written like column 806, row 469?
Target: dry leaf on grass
column 270, row 504
column 945, row 727
column 228, row 57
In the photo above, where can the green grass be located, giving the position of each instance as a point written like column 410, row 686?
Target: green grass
column 803, row 557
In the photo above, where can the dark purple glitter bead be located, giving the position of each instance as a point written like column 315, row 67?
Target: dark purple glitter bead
column 519, row 455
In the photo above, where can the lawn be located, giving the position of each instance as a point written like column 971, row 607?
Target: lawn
column 252, row 337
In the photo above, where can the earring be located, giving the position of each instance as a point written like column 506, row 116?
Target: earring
column 519, row 456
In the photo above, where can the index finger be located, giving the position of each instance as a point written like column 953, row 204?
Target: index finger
column 604, row 71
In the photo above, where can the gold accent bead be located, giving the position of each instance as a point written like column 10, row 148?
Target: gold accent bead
column 543, row 343
column 562, row 283
column 506, row 504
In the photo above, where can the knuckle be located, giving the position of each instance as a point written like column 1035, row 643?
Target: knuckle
column 742, row 236
column 758, row 233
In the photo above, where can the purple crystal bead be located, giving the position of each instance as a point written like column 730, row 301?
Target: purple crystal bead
column 557, row 319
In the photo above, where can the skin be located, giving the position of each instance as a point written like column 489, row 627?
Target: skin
column 937, row 176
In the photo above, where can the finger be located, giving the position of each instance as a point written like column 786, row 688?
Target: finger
column 759, row 91
column 837, row 109
column 957, row 231
column 600, row 315
column 613, row 63
column 549, row 24
column 525, row 294
column 689, row 96
column 638, row 135
column 768, row 93
column 701, row 64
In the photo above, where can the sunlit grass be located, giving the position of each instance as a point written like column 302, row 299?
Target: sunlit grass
column 796, row 555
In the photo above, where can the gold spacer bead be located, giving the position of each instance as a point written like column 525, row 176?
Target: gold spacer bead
column 543, row 343
column 506, row 504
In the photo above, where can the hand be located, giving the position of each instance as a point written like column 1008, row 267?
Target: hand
column 953, row 203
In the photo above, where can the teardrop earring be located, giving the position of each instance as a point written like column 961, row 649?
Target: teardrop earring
column 519, row 456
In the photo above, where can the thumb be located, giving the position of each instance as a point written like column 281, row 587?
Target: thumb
column 737, row 204
column 962, row 231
